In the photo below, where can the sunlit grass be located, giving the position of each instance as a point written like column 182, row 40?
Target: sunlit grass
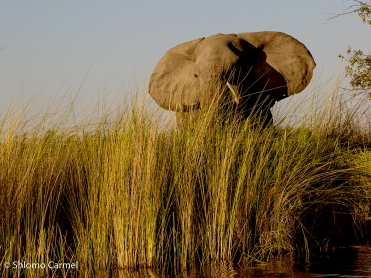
column 125, row 191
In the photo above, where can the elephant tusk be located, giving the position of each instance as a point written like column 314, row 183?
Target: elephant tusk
column 236, row 95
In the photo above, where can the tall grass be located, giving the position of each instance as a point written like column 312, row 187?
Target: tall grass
column 128, row 192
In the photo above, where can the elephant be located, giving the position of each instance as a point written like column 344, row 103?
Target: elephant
column 250, row 71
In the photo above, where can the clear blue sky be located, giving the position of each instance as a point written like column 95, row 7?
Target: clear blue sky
column 51, row 45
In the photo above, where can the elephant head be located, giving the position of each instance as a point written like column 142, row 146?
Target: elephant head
column 253, row 69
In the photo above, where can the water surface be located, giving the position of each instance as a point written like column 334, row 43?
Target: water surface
column 345, row 262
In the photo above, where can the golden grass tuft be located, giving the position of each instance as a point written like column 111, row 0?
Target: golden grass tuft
column 131, row 192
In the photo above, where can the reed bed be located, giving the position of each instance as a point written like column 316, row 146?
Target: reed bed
column 128, row 191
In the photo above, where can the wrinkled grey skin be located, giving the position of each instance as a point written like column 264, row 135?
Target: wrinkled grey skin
column 260, row 68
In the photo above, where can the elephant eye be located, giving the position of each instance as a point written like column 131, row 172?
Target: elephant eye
column 195, row 75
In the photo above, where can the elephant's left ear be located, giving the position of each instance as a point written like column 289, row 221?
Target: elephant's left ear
column 287, row 56
column 174, row 83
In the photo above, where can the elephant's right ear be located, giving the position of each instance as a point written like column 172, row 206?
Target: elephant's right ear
column 174, row 83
